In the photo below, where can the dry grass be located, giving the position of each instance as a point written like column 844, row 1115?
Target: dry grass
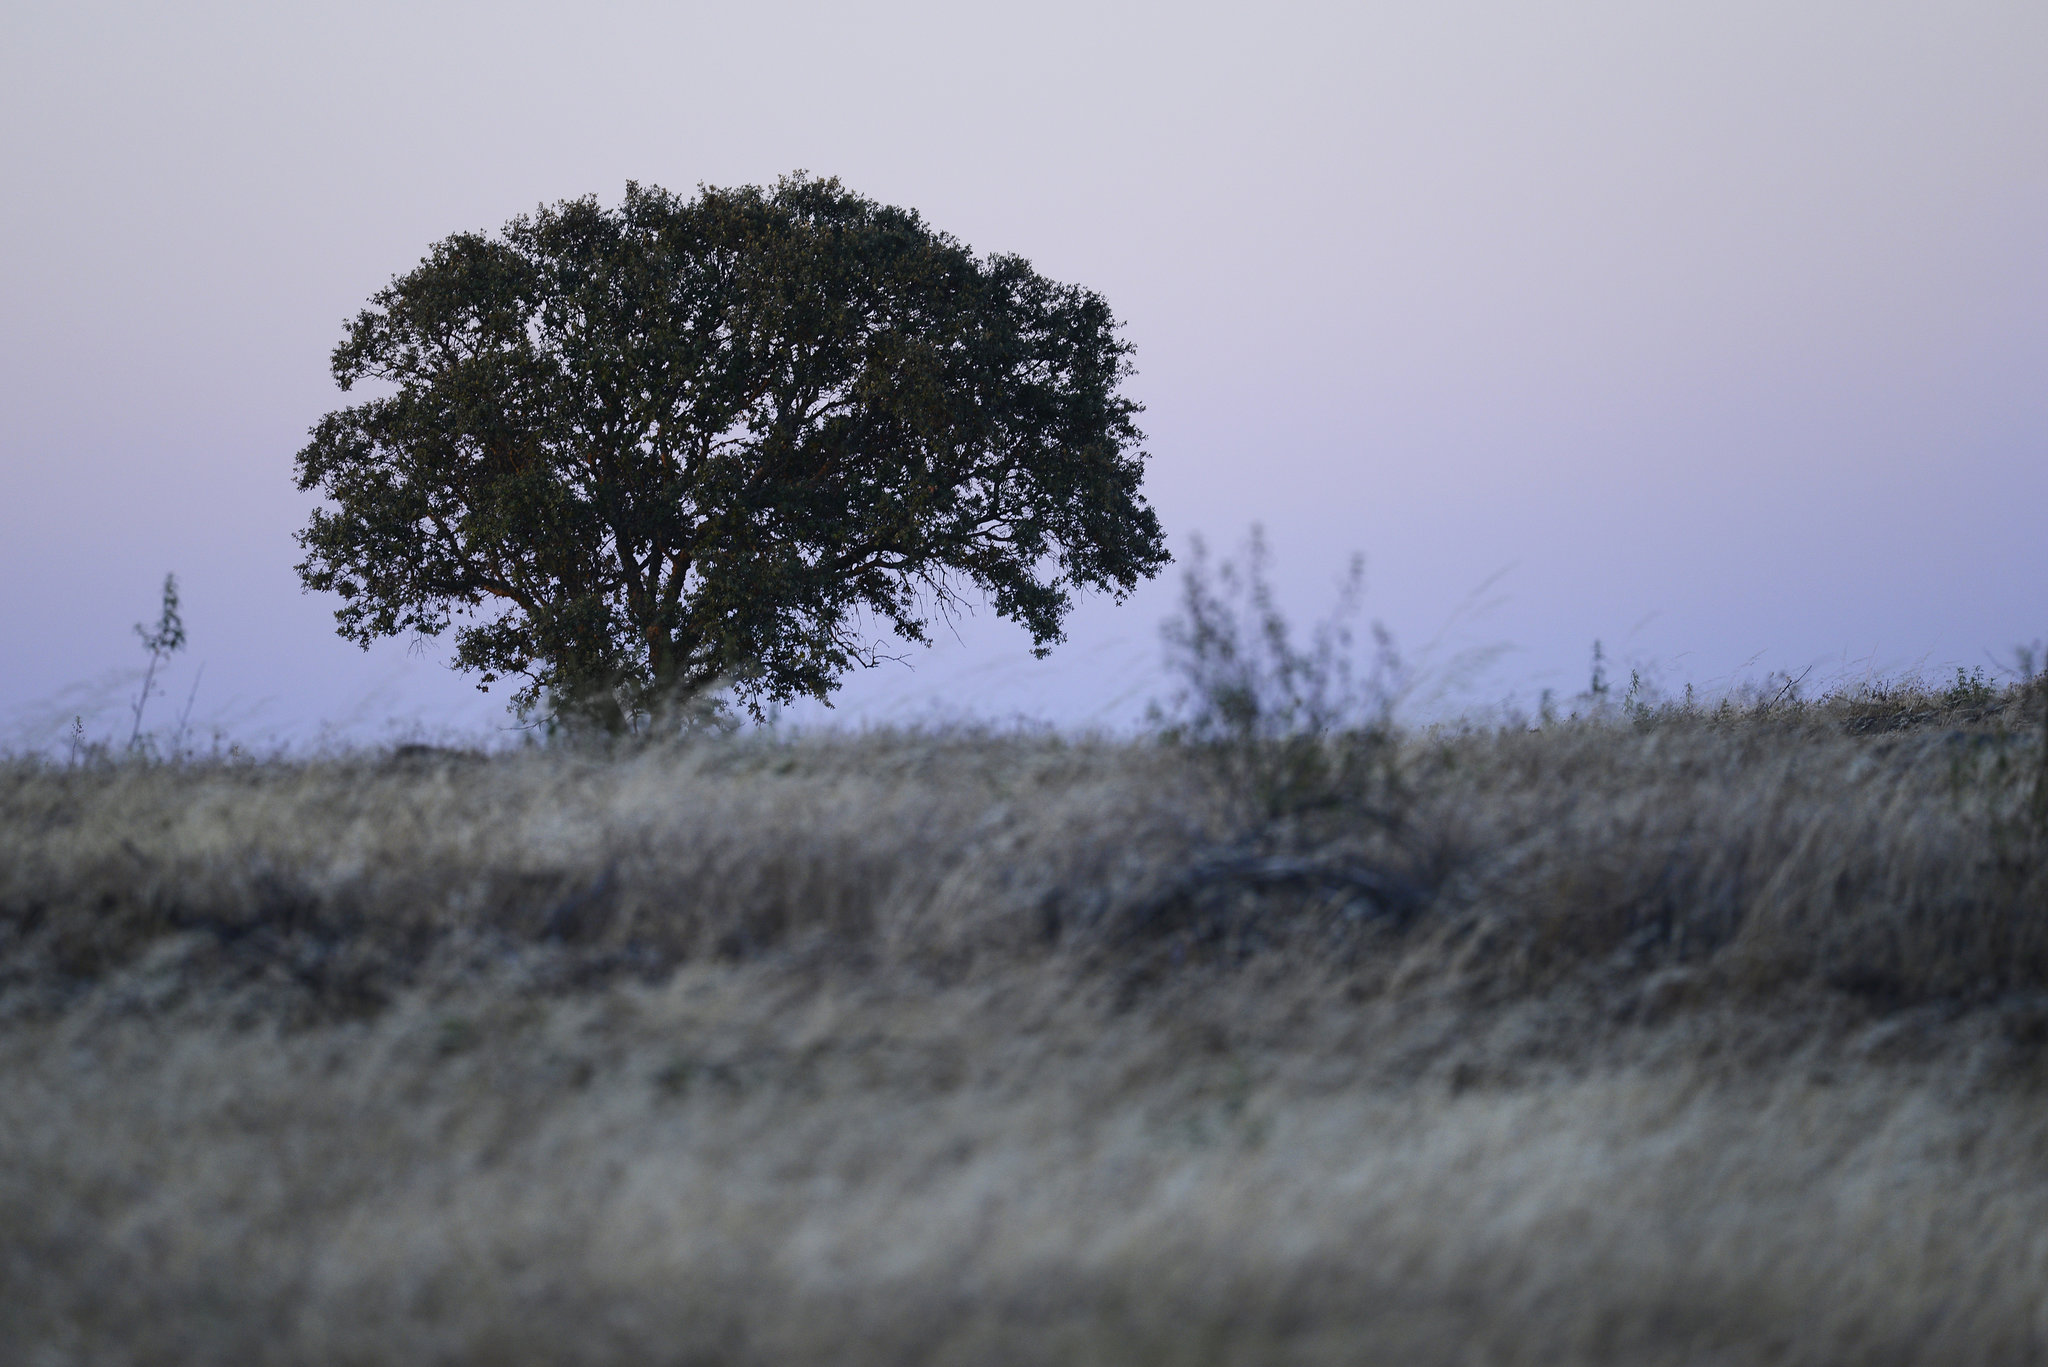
column 1691, row 1038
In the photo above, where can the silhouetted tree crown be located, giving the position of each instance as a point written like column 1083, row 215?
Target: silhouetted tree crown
column 631, row 453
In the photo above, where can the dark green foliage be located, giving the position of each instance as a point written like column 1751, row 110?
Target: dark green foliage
column 632, row 454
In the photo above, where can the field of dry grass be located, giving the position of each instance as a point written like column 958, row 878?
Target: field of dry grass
column 1675, row 1037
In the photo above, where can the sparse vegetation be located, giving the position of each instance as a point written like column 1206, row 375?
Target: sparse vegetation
column 162, row 641
column 1659, row 1031
column 1697, row 1034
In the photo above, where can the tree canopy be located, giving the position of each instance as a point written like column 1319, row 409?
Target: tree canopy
column 631, row 453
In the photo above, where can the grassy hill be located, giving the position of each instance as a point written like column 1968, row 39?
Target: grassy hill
column 1665, row 1035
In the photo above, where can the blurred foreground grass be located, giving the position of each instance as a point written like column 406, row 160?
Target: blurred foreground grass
column 1666, row 1036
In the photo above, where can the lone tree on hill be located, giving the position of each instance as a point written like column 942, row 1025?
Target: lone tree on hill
column 630, row 454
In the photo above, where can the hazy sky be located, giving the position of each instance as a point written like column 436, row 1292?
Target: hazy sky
column 1715, row 331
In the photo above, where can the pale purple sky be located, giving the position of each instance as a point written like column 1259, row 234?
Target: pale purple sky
column 1715, row 331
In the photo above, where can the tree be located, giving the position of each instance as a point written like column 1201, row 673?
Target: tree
column 630, row 454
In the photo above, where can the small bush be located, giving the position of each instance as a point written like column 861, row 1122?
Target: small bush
column 1293, row 728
